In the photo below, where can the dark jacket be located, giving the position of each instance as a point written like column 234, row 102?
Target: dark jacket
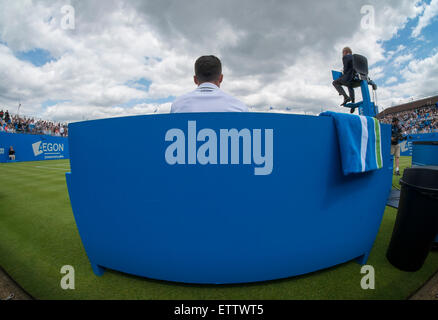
column 396, row 134
column 348, row 73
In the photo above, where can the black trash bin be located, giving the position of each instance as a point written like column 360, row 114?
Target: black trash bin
column 416, row 225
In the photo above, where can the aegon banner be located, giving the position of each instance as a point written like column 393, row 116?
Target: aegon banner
column 33, row 147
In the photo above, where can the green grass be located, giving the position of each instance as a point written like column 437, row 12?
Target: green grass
column 38, row 236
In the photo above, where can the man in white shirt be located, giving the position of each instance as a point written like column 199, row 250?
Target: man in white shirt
column 208, row 97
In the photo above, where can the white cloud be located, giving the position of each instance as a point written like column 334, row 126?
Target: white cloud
column 86, row 112
column 403, row 59
column 391, row 80
column 377, row 73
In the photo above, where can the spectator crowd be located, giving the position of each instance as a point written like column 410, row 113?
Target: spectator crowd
column 17, row 124
column 421, row 120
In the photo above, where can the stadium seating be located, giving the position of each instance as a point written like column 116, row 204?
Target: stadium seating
column 420, row 120
column 17, row 124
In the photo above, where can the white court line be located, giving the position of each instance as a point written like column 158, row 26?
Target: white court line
column 41, row 167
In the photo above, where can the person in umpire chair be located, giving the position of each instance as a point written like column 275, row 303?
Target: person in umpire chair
column 346, row 78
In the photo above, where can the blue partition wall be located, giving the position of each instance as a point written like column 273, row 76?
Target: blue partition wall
column 425, row 153
column 166, row 198
column 407, row 145
column 33, row 147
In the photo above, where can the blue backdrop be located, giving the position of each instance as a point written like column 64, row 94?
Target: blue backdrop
column 30, row 147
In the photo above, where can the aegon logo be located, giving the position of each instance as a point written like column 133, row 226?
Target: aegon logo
column 404, row 146
column 207, row 153
column 40, row 148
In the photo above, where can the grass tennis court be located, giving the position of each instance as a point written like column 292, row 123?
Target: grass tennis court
column 38, row 236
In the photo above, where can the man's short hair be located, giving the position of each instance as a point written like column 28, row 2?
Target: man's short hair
column 394, row 119
column 348, row 50
column 208, row 68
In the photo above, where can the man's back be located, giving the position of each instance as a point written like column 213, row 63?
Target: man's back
column 207, row 98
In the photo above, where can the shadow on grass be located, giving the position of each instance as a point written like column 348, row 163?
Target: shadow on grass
column 224, row 286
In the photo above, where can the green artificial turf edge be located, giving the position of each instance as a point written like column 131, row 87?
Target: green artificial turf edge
column 38, row 236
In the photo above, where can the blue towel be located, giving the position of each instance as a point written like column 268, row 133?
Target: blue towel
column 359, row 140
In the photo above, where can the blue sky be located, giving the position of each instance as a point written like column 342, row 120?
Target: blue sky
column 38, row 57
column 420, row 47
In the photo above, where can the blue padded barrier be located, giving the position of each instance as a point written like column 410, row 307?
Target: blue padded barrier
column 158, row 200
